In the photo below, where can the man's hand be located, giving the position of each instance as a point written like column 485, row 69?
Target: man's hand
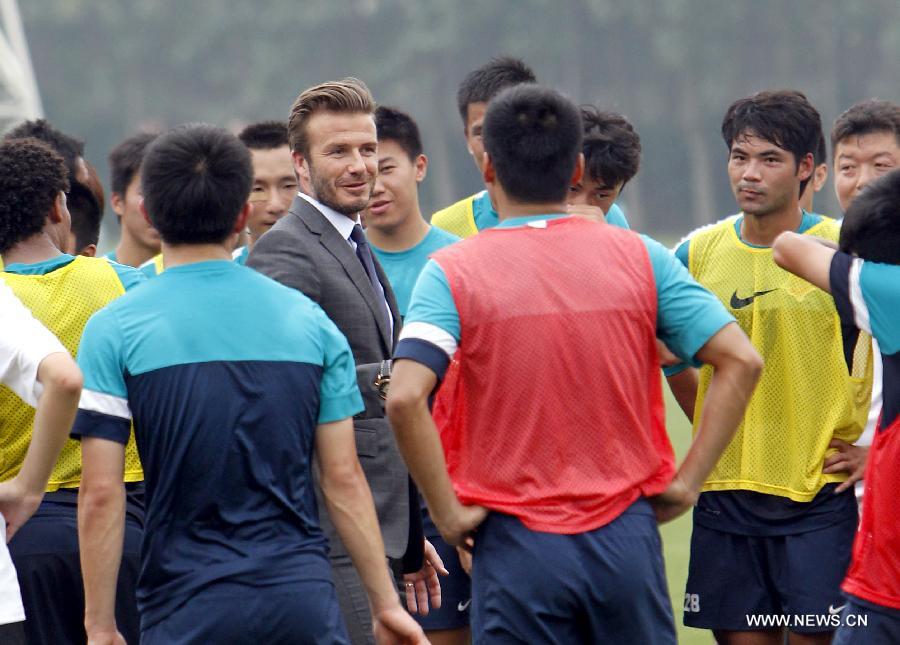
column 848, row 459
column 465, row 555
column 423, row 585
column 394, row 625
column 105, row 637
column 17, row 505
column 673, row 501
column 462, row 525
column 587, row 212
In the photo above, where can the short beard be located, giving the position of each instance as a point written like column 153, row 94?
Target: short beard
column 326, row 195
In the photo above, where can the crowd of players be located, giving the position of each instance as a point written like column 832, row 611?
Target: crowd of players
column 237, row 468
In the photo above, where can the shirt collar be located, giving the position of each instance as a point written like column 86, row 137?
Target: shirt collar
column 528, row 219
column 342, row 223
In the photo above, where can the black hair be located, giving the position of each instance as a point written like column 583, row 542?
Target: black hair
column 820, row 156
column 265, row 135
column 867, row 117
column 31, row 177
column 86, row 215
column 484, row 83
column 784, row 117
column 68, row 147
column 196, row 179
column 125, row 160
column 395, row 125
column 533, row 136
column 871, row 227
column 612, row 149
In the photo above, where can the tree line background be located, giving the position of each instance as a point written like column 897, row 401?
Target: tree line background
column 107, row 68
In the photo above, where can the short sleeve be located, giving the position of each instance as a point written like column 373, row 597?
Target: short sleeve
column 431, row 330
column 103, row 410
column 24, row 343
column 339, row 396
column 616, row 217
column 866, row 297
column 688, row 315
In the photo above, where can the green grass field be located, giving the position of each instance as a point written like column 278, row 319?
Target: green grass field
column 677, row 535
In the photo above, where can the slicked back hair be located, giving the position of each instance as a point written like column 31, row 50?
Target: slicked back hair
column 866, row 117
column 31, row 177
column 126, row 158
column 612, row 149
column 533, row 136
column 483, row 84
column 396, row 125
column 196, row 179
column 871, row 227
column 265, row 135
column 784, row 117
column 348, row 96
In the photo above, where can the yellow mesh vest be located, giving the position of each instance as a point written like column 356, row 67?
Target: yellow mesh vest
column 805, row 396
column 458, row 218
column 63, row 300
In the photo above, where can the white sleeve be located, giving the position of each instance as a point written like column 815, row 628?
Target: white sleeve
column 24, row 343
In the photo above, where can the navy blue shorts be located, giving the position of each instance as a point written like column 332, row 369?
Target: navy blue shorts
column 45, row 554
column 456, row 592
column 864, row 623
column 301, row 613
column 603, row 586
column 733, row 579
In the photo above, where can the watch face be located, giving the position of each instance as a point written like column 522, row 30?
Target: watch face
column 382, row 384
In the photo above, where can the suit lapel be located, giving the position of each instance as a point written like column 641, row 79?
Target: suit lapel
column 343, row 253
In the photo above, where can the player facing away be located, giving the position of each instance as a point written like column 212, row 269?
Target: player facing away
column 476, row 213
column 228, row 428
column 138, row 241
column 552, row 440
column 34, row 365
column 771, row 510
column 274, row 181
column 62, row 292
column 863, row 277
column 866, row 144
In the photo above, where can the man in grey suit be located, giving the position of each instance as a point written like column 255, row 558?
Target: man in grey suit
column 319, row 249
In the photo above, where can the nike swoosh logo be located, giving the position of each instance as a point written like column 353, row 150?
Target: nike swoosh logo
column 464, row 605
column 835, row 610
column 740, row 303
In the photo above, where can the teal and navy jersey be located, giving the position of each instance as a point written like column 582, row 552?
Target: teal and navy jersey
column 687, row 314
column 128, row 276
column 241, row 254
column 403, row 267
column 225, row 422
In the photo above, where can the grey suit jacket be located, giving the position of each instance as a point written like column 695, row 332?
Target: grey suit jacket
column 304, row 251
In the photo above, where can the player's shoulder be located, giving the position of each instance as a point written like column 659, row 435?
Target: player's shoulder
column 458, row 217
column 708, row 230
column 439, row 238
column 129, row 276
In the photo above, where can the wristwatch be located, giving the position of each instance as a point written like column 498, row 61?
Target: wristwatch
column 383, row 379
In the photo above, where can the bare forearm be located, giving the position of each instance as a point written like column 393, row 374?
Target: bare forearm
column 101, row 527
column 684, row 389
column 352, row 511
column 418, row 440
column 723, row 408
column 52, row 420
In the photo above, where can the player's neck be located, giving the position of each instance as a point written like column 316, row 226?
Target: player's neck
column 132, row 254
column 762, row 230
column 178, row 254
column 405, row 236
column 508, row 209
column 37, row 248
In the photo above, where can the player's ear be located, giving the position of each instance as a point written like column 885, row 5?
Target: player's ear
column 421, row 164
column 488, row 173
column 143, row 210
column 241, row 222
column 301, row 169
column 805, row 167
column 578, row 173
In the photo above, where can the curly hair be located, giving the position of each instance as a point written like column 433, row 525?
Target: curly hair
column 31, row 177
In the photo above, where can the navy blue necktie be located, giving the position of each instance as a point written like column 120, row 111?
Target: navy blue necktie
column 364, row 253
